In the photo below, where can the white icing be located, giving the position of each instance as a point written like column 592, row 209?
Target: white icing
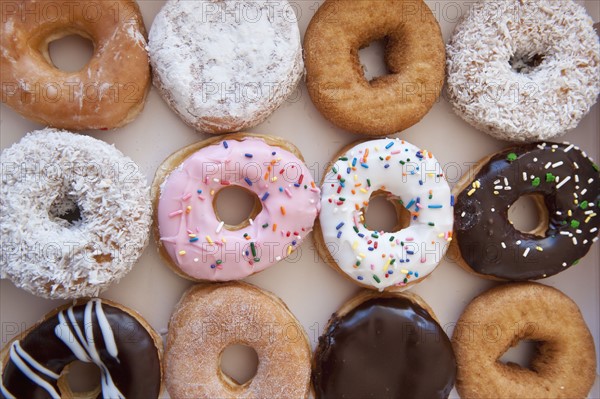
column 234, row 59
column 541, row 103
column 427, row 243
column 22, row 361
column 47, row 255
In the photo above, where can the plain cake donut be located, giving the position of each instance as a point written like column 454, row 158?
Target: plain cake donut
column 106, row 93
column 524, row 70
column 75, row 214
column 209, row 318
column 224, row 66
column 414, row 56
column 564, row 365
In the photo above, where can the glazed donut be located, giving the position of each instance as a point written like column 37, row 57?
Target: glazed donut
column 564, row 184
column 515, row 72
column 209, row 318
column 414, row 56
column 396, row 338
column 565, row 362
column 116, row 339
column 226, row 65
column 412, row 180
column 107, row 93
column 192, row 238
column 75, row 214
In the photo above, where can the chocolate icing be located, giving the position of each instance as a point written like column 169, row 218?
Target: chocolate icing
column 386, row 347
column 569, row 182
column 137, row 374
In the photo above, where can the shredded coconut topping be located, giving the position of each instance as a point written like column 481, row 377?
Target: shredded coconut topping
column 225, row 65
column 75, row 214
column 524, row 70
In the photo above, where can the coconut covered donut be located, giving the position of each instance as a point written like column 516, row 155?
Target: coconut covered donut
column 524, row 70
column 106, row 93
column 117, row 340
column 209, row 318
column 410, row 178
column 225, row 66
column 190, row 234
column 75, row 214
column 564, row 365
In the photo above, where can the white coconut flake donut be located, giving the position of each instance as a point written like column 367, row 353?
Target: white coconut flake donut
column 75, row 214
column 405, row 173
column 225, row 66
column 524, row 70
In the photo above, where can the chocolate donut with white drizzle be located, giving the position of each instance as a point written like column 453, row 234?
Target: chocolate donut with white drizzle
column 565, row 185
column 125, row 349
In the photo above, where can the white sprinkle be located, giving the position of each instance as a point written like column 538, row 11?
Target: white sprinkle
column 518, row 242
column 569, row 148
column 574, row 240
column 535, row 159
column 462, row 215
column 576, row 178
column 216, row 180
column 250, row 221
column 505, row 181
column 497, row 187
column 508, row 188
column 541, row 146
column 565, row 233
column 563, row 182
column 526, row 252
column 564, row 264
column 558, row 212
column 585, row 242
column 557, row 164
column 578, row 231
column 595, row 239
column 575, row 164
column 524, row 176
column 595, row 229
column 532, row 177
column 591, row 179
column 554, row 146
column 588, row 212
column 196, row 260
column 278, row 258
column 219, row 227
column 503, row 244
column 548, row 165
column 493, row 209
column 496, row 181
column 584, row 191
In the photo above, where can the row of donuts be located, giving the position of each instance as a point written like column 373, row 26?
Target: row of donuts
column 226, row 66
column 407, row 354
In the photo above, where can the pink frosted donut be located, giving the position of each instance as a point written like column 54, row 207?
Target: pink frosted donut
column 193, row 239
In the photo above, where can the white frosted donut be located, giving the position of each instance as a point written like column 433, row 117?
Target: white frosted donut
column 402, row 172
column 524, row 70
column 75, row 214
column 225, row 66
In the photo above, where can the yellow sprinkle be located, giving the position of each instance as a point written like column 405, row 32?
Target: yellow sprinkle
column 570, row 213
column 354, row 244
column 212, row 192
column 496, row 193
column 362, row 190
column 431, row 174
column 589, row 217
column 471, row 191
column 188, row 209
column 576, row 202
column 539, row 248
column 289, row 249
column 362, row 255
column 355, row 177
column 182, row 252
column 274, row 179
column 387, row 265
column 474, row 184
column 192, row 235
column 440, row 235
column 223, row 240
column 404, row 271
column 362, row 218
column 210, row 241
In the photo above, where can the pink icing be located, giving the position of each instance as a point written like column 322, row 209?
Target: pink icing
column 191, row 232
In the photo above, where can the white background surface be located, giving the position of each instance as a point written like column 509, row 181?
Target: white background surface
column 310, row 288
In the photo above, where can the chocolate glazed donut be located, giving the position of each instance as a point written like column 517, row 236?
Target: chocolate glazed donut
column 92, row 332
column 387, row 346
column 565, row 186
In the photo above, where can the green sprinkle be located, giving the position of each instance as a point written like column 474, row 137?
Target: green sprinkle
column 535, row 182
column 369, row 182
column 391, row 238
column 264, row 226
column 550, row 177
column 219, row 262
column 376, row 279
column 584, row 205
column 343, row 159
column 253, row 249
column 355, row 228
column 431, row 224
column 334, row 169
column 576, row 262
column 596, row 168
column 257, row 259
column 375, row 235
column 402, row 162
column 511, row 157
column 392, row 261
column 342, row 199
column 357, row 263
column 574, row 223
column 405, row 280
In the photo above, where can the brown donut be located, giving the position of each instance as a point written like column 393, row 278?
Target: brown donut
column 209, row 318
column 414, row 55
column 565, row 363
column 107, row 93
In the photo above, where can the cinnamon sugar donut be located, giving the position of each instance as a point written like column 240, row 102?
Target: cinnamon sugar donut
column 564, row 365
column 225, row 66
column 414, row 56
column 106, row 93
column 209, row 318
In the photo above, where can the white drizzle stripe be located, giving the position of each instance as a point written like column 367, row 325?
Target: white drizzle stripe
column 25, row 356
column 5, row 392
column 29, row 373
column 107, row 332
column 63, row 332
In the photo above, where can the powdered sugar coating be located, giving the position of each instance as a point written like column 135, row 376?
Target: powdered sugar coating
column 225, row 65
column 540, row 102
column 49, row 173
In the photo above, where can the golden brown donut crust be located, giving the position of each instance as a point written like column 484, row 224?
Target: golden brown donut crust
column 211, row 317
column 414, row 55
column 107, row 93
column 565, row 365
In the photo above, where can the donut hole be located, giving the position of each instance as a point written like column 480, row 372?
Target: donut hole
column 65, row 209
column 70, row 53
column 372, row 59
column 238, row 363
column 522, row 354
column 386, row 213
column 525, row 63
column 235, row 206
column 529, row 214
column 80, row 380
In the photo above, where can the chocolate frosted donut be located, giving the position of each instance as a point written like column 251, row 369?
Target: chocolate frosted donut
column 387, row 346
column 564, row 184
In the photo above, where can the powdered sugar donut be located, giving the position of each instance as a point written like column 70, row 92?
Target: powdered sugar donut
column 524, row 71
column 225, row 66
column 75, row 214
